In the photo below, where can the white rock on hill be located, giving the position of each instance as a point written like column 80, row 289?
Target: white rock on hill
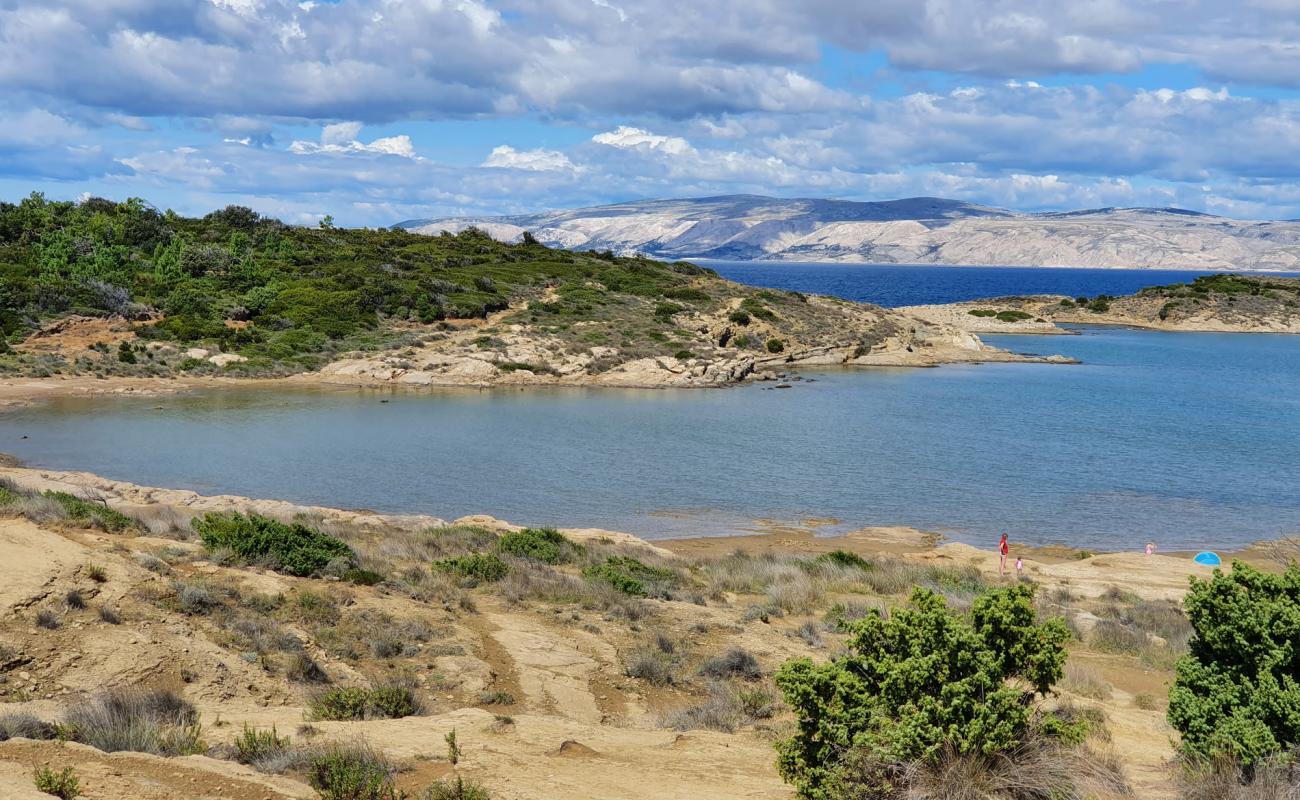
column 919, row 230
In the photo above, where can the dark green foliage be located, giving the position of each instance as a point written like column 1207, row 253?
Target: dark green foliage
column 290, row 548
column 125, row 353
column 539, row 544
column 1013, row 316
column 739, row 317
column 352, row 773
column 843, row 558
column 631, row 576
column 62, row 784
column 757, row 310
column 298, row 289
column 92, row 514
column 775, row 345
column 922, row 682
column 389, row 701
column 1237, row 692
column 485, row 567
column 982, row 312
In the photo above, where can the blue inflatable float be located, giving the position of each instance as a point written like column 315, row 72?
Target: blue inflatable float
column 1208, row 558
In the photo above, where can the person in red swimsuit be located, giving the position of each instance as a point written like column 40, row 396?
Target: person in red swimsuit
column 1002, row 555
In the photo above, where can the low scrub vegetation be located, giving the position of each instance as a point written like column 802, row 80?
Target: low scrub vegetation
column 63, row 784
column 478, row 567
column 632, row 576
column 352, row 772
column 291, row 548
column 389, row 701
column 139, row 720
column 539, row 544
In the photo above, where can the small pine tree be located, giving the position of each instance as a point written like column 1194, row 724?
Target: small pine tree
column 125, row 353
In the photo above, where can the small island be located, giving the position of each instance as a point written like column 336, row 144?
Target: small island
column 1211, row 303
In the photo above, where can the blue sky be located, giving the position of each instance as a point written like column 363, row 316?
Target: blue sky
column 375, row 111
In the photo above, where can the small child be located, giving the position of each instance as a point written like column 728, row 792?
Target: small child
column 1151, row 547
column 1020, row 566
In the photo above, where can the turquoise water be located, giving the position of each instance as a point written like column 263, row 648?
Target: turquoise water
column 1190, row 439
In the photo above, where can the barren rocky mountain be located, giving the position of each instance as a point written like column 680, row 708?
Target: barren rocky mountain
column 920, row 230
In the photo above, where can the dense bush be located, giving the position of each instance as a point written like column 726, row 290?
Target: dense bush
column 92, row 514
column 775, row 346
column 922, row 682
column 389, row 701
column 295, row 288
column 1237, row 692
column 631, row 576
column 485, row 567
column 539, row 544
column 291, row 548
column 352, row 773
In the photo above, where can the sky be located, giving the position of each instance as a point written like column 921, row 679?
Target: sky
column 377, row 111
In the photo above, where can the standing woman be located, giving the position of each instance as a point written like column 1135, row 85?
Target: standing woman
column 1002, row 555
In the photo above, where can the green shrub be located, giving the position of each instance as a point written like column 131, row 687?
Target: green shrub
column 352, row 773
column 62, row 784
column 683, row 355
column 922, row 682
column 292, row 548
column 91, row 514
column 539, row 544
column 631, row 576
column 456, row 790
column 843, row 558
column 1236, row 694
column 775, row 345
column 485, row 567
column 739, row 317
column 389, row 701
column 756, row 309
column 252, row 745
column 982, row 312
column 125, row 353
column 1013, row 316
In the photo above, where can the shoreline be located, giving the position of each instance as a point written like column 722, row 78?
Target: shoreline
column 779, row 537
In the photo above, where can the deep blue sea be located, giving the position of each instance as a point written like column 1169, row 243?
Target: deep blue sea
column 898, row 285
column 1191, row 439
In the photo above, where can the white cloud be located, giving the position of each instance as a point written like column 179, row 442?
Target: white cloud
column 539, row 160
column 341, row 137
column 628, row 138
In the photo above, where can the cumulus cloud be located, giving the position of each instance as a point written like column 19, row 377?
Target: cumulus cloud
column 676, row 98
column 539, row 160
column 341, row 137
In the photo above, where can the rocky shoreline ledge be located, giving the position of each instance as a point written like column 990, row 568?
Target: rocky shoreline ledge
column 1211, row 304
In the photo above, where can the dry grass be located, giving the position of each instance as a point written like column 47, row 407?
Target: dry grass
column 140, row 720
column 1225, row 780
column 1085, row 682
column 1037, row 770
column 726, row 708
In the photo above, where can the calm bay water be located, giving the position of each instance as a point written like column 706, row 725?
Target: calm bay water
column 894, row 285
column 1191, row 439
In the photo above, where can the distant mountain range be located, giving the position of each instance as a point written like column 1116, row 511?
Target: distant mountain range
column 917, row 230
